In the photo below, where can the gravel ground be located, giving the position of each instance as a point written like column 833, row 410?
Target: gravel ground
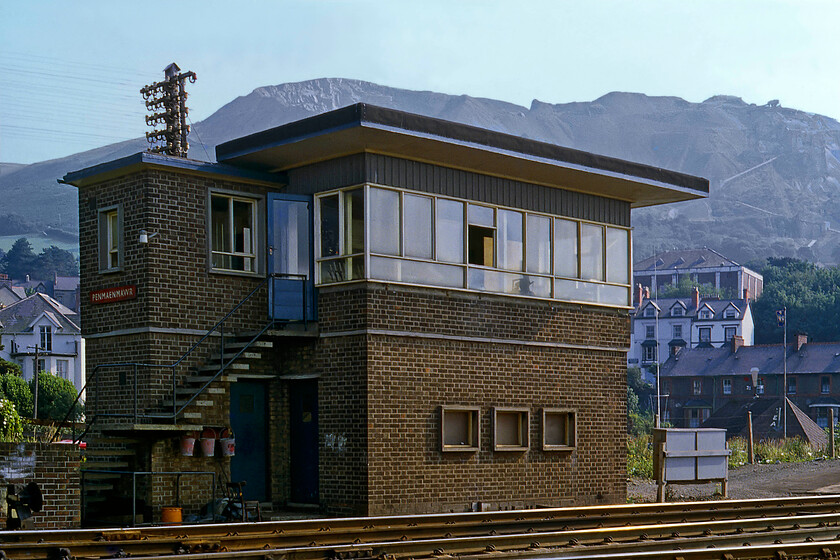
column 751, row 481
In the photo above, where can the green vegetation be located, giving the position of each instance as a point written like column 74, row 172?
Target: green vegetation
column 55, row 396
column 11, row 427
column 21, row 260
column 16, row 390
column 685, row 287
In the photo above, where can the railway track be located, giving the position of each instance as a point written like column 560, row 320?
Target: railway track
column 675, row 530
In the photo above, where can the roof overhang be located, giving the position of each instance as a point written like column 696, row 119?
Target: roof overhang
column 366, row 128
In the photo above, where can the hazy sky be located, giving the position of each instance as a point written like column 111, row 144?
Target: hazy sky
column 70, row 71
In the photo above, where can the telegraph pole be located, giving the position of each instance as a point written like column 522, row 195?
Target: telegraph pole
column 36, row 369
column 781, row 317
column 171, row 96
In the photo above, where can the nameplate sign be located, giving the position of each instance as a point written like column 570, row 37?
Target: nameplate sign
column 110, row 295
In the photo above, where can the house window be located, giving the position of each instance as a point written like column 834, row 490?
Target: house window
column 822, row 417
column 459, row 428
column 233, row 230
column 705, row 334
column 729, row 333
column 46, row 338
column 510, row 429
column 697, row 387
column 730, row 313
column 791, row 388
column 110, row 239
column 727, row 386
column 759, row 387
column 61, row 367
column 42, row 366
column 649, row 354
column 706, row 314
column 825, row 385
column 559, row 430
column 677, row 331
column 696, row 416
column 650, row 311
column 677, row 311
column 650, row 332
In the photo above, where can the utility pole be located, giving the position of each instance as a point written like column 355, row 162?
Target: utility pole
column 781, row 317
column 171, row 96
column 36, row 370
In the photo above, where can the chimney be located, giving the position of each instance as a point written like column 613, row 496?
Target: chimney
column 695, row 297
column 647, row 292
column 737, row 342
column 639, row 294
column 801, row 340
column 747, row 295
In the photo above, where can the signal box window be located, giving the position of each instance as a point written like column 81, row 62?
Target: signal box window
column 110, row 239
column 559, row 429
column 233, row 229
column 510, row 429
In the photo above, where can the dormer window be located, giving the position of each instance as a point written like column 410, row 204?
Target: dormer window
column 706, row 313
column 677, row 311
column 731, row 313
column 650, row 311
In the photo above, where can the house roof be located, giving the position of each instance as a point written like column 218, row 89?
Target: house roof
column 718, row 307
column 766, row 420
column 685, row 259
column 19, row 316
column 367, row 128
column 66, row 283
column 813, row 357
column 11, row 294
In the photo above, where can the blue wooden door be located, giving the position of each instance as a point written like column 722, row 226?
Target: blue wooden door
column 303, row 444
column 290, row 258
column 248, row 420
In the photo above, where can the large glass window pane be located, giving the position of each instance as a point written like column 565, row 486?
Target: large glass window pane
column 113, row 239
column 291, row 237
column 565, row 248
column 329, row 225
column 449, row 230
column 508, row 283
column 510, row 245
column 591, row 252
column 354, row 221
column 417, row 272
column 538, row 244
column 384, row 221
column 232, row 232
column 418, row 226
column 618, row 256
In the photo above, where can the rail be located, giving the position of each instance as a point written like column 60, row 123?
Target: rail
column 697, row 530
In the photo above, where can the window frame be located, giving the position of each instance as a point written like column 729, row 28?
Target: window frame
column 727, row 330
column 523, row 428
column 650, row 332
column 700, row 331
column 677, row 330
column 649, row 354
column 45, row 338
column 473, row 428
column 571, row 431
column 726, row 386
column 257, row 254
column 825, row 385
column 108, row 245
column 697, row 387
column 791, row 380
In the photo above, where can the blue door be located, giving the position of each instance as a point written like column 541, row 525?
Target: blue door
column 248, row 420
column 290, row 234
column 303, row 441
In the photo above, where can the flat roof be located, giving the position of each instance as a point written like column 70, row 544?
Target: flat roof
column 368, row 128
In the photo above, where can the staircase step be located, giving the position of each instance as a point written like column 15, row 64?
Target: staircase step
column 196, row 402
column 215, row 368
column 104, row 465
column 101, row 476
column 107, row 452
column 98, row 487
column 214, row 359
column 243, row 343
column 200, row 380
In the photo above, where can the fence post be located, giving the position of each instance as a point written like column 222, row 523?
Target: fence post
column 750, row 452
column 831, row 432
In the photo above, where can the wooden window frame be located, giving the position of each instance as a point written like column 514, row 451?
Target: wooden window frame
column 570, row 437
column 108, row 246
column 473, row 428
column 524, row 420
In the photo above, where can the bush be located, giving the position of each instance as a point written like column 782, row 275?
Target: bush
column 640, row 456
column 15, row 389
column 11, row 428
column 791, row 450
column 740, row 453
column 55, row 396
column 9, row 367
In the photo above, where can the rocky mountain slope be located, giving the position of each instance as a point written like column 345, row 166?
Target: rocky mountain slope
column 774, row 171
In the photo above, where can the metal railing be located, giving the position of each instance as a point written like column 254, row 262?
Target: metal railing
column 217, row 330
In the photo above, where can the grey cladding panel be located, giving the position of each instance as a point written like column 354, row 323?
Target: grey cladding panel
column 426, row 177
column 327, row 175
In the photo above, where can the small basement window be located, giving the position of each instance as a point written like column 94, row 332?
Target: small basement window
column 559, row 429
column 459, row 428
column 510, row 429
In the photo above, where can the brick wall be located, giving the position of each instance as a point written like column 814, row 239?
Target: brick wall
column 381, row 394
column 55, row 469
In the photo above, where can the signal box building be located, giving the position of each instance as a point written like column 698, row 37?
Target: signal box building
column 392, row 313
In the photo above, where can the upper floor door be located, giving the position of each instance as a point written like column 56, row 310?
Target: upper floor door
column 291, row 291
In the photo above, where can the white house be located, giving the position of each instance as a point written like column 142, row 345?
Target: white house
column 40, row 328
column 661, row 327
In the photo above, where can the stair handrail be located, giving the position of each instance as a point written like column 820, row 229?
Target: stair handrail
column 223, row 366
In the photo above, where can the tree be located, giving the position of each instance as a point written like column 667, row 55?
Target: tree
column 11, row 428
column 55, row 397
column 685, row 287
column 9, row 367
column 639, row 414
column 15, row 389
column 54, row 260
column 20, row 259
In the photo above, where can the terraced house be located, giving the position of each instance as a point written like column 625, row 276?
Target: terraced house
column 392, row 313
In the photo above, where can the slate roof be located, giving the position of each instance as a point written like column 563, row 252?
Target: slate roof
column 813, row 357
column 718, row 306
column 684, row 260
column 66, row 283
column 18, row 316
column 767, row 422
